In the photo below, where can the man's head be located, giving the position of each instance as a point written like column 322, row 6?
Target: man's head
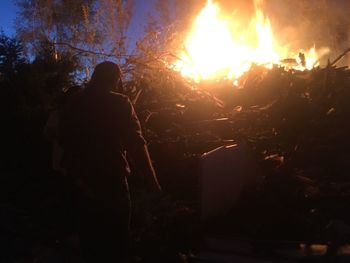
column 107, row 77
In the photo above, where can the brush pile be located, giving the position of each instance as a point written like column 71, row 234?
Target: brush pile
column 296, row 123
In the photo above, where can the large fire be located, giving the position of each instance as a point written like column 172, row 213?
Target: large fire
column 217, row 47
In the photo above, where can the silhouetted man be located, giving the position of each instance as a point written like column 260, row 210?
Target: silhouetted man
column 97, row 128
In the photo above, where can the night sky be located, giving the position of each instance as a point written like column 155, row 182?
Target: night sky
column 7, row 16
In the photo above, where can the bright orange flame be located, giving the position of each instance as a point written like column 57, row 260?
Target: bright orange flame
column 213, row 50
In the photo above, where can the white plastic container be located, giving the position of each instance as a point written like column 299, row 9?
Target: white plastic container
column 224, row 172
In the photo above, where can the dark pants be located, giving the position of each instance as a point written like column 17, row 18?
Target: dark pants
column 103, row 223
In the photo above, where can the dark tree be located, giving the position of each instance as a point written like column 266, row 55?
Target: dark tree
column 11, row 56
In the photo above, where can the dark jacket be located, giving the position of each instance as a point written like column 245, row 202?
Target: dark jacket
column 96, row 130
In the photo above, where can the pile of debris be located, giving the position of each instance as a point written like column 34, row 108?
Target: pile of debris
column 296, row 125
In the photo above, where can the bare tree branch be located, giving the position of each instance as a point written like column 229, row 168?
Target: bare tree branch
column 92, row 52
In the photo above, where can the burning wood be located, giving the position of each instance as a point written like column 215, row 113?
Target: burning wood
column 218, row 47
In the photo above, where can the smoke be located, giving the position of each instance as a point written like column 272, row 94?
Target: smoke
column 300, row 24
column 304, row 23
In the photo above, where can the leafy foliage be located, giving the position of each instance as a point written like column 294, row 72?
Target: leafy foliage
column 90, row 30
column 11, row 55
column 55, row 21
